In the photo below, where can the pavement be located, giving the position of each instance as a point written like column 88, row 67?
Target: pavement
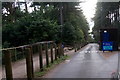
column 87, row 63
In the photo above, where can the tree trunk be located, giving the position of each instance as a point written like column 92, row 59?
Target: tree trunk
column 26, row 8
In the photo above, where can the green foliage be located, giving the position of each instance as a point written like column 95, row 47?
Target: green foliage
column 43, row 24
column 52, row 65
column 69, row 33
column 29, row 29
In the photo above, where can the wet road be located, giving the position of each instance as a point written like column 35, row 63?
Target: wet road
column 88, row 63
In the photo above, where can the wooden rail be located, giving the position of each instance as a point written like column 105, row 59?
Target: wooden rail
column 28, row 51
column 52, row 51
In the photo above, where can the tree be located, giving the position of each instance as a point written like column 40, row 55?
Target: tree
column 107, row 15
column 43, row 24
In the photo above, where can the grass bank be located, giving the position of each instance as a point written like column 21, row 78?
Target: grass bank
column 51, row 66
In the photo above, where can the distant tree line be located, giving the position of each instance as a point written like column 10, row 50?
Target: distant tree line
column 20, row 27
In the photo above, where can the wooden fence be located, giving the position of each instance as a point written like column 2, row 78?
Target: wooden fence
column 27, row 51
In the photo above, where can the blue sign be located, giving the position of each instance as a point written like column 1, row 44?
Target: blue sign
column 107, row 46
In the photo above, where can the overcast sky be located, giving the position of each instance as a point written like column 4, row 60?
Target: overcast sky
column 88, row 8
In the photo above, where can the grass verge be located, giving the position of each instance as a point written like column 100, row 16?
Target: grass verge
column 51, row 65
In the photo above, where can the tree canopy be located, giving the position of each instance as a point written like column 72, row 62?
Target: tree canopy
column 22, row 27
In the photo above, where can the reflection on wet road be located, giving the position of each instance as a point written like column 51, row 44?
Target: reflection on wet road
column 88, row 63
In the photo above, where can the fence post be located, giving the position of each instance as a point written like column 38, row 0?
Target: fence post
column 58, row 50
column 55, row 51
column 15, row 55
column 23, row 52
column 46, row 52
column 40, row 57
column 75, row 47
column 29, row 64
column 31, row 52
column 51, row 47
column 61, row 49
column 8, row 65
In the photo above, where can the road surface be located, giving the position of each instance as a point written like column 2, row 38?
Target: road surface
column 19, row 67
column 88, row 63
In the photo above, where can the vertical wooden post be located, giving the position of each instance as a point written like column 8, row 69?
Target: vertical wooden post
column 46, row 52
column 32, row 66
column 58, row 50
column 75, row 48
column 23, row 51
column 61, row 49
column 15, row 55
column 55, row 51
column 40, row 57
column 8, row 65
column 28, row 64
column 51, row 47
